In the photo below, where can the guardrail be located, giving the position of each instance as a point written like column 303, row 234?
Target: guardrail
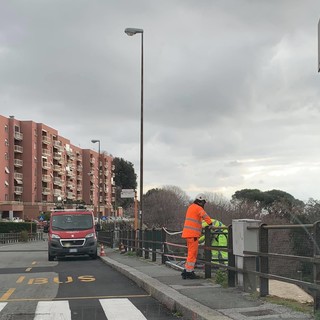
column 6, row 238
column 168, row 246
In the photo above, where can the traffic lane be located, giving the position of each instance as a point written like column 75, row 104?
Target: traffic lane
column 148, row 306
column 83, row 292
column 83, row 277
column 102, row 282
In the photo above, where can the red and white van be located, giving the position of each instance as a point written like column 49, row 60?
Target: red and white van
column 71, row 232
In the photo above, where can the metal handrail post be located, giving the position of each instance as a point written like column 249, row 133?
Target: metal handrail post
column 154, row 245
column 231, row 259
column 263, row 261
column 164, row 247
column 316, row 267
column 207, row 253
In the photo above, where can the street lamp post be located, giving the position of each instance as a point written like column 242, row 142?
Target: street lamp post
column 99, row 178
column 132, row 32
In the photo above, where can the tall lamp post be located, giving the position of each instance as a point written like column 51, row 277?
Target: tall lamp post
column 132, row 32
column 99, row 178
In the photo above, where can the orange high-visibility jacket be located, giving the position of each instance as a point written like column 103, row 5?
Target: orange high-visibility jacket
column 193, row 223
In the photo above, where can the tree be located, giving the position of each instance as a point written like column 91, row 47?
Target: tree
column 181, row 195
column 125, row 178
column 163, row 208
column 274, row 202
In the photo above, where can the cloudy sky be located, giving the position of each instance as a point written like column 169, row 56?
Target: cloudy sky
column 231, row 88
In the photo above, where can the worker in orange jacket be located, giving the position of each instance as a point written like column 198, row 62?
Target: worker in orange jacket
column 192, row 232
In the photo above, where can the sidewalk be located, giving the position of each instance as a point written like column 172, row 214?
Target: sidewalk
column 199, row 299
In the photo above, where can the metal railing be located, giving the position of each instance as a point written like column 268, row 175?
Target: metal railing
column 153, row 243
column 7, row 238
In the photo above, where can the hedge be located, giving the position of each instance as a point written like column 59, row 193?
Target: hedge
column 16, row 227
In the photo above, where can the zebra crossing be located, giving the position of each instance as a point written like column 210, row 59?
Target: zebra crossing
column 114, row 309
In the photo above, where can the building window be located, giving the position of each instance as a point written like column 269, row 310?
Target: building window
column 6, row 197
column 6, row 128
column 6, row 143
column 6, row 170
column 6, row 156
column 6, row 183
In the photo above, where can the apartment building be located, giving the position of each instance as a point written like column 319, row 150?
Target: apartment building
column 39, row 168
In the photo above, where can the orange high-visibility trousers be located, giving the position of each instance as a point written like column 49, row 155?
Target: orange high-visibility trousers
column 192, row 244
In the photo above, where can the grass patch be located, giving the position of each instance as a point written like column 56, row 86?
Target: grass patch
column 292, row 304
column 221, row 277
column 177, row 314
column 131, row 253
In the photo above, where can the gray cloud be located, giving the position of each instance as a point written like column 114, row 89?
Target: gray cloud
column 230, row 88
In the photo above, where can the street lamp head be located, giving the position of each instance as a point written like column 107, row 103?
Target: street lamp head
column 94, row 141
column 132, row 31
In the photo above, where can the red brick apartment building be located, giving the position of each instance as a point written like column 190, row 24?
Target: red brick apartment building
column 39, row 168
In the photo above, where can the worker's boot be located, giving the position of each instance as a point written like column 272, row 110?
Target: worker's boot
column 184, row 274
column 191, row 275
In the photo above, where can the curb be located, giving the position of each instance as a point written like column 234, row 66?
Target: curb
column 172, row 299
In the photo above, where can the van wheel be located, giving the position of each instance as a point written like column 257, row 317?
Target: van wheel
column 94, row 256
column 50, row 257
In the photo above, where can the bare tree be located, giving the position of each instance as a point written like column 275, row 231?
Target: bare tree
column 163, row 208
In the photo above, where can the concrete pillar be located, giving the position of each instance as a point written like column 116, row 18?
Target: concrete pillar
column 245, row 240
column 11, row 215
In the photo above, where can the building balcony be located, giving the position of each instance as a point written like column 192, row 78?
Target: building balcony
column 70, row 195
column 56, row 192
column 46, row 178
column 46, row 140
column 57, row 168
column 18, row 163
column 70, row 185
column 57, row 181
column 18, row 149
column 70, row 174
column 46, row 165
column 18, row 175
column 57, row 155
column 18, row 190
column 18, row 135
column 57, row 143
column 46, row 190
column 46, row 152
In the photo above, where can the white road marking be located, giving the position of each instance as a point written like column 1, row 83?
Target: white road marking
column 119, row 309
column 53, row 310
column 2, row 305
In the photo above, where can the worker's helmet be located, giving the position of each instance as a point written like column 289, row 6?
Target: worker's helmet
column 201, row 197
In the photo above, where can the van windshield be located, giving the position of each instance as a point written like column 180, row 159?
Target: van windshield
column 70, row 222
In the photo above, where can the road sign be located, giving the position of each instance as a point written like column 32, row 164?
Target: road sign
column 127, row 193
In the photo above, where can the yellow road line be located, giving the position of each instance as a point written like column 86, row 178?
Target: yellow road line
column 20, row 279
column 7, row 295
column 78, row 298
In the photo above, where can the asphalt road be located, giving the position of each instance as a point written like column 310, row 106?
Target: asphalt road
column 32, row 288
